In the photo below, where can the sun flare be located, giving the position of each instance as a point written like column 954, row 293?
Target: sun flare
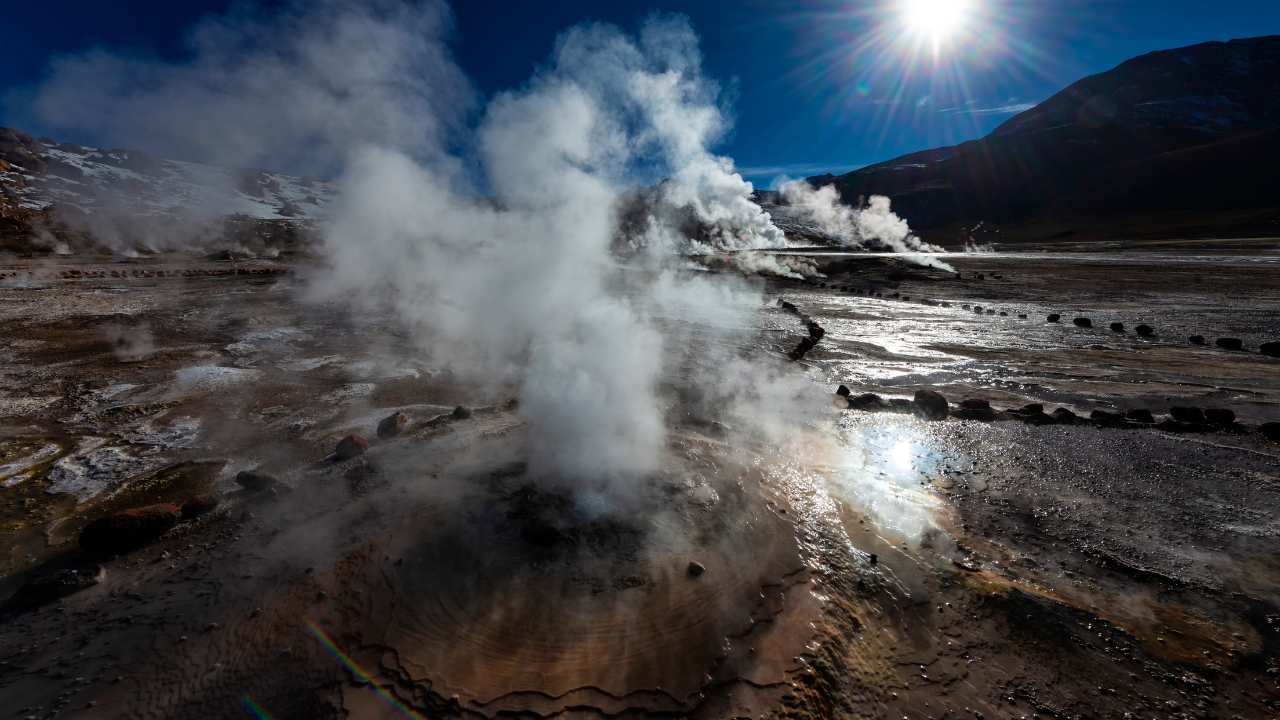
column 935, row 19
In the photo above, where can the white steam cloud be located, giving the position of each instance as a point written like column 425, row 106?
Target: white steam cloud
column 856, row 226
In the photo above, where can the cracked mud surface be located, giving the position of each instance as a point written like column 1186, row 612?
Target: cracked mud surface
column 1019, row 571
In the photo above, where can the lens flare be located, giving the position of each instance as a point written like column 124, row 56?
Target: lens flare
column 936, row 19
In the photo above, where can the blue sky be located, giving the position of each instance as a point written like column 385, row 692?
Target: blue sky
column 816, row 85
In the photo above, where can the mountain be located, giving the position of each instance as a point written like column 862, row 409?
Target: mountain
column 1173, row 142
column 99, row 194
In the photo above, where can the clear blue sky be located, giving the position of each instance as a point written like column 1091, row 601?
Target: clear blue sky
column 819, row 85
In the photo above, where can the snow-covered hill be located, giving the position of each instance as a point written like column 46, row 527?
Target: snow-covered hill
column 73, row 181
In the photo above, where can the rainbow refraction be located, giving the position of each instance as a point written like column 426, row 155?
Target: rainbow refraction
column 355, row 668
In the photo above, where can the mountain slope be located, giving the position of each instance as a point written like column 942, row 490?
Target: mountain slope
column 98, row 190
column 1049, row 161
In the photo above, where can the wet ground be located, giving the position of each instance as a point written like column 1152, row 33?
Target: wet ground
column 854, row 564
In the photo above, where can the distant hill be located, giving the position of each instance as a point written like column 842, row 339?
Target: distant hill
column 1172, row 143
column 126, row 197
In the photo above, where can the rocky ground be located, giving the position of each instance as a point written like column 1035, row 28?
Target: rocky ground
column 848, row 563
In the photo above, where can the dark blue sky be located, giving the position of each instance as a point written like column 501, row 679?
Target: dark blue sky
column 819, row 85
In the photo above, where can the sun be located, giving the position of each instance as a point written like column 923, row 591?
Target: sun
column 935, row 19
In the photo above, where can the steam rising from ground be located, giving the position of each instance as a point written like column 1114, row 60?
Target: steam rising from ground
column 855, row 226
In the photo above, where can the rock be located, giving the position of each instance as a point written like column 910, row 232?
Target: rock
column 902, row 405
column 1196, row 339
column 873, row 559
column 1064, row 415
column 1186, row 414
column 1031, row 409
column 200, row 505
column 128, row 529
column 1270, row 431
column 1220, row 416
column 1082, row 322
column 1118, row 327
column 462, row 412
column 964, row 307
column 696, row 568
column 255, row 481
column 975, row 404
column 843, row 391
column 869, row 402
column 1270, row 348
column 1053, row 318
column 1022, row 316
column 930, row 405
column 392, row 425
column 1145, row 330
column 59, row 584
column 1141, row 415
column 351, row 446
column 1103, row 417
column 1229, row 343
column 977, row 309
column 815, row 331
column 1038, row 418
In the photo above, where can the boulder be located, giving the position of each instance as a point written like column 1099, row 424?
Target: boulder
column 1053, row 318
column 1229, row 343
column 930, row 405
column 1270, row 431
column 1083, row 322
column 815, row 331
column 977, row 309
column 1118, row 327
column 59, row 584
column 1145, row 330
column 254, row 480
column 1186, row 414
column 462, row 412
column 1064, row 415
column 200, row 505
column 1038, row 418
column 1270, row 348
column 843, row 391
column 868, row 402
column 975, row 404
column 1141, row 415
column 1031, row 409
column 351, row 446
column 128, row 529
column 1103, row 417
column 1196, row 339
column 1220, row 416
column 392, row 425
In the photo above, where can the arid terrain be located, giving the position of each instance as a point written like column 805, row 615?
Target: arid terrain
column 849, row 563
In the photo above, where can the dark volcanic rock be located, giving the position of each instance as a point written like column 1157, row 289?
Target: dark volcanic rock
column 1082, row 322
column 1220, row 416
column 1053, row 318
column 59, row 584
column 843, row 391
column 1196, row 339
column 200, row 505
column 975, row 404
column 1105, row 418
column 1186, row 414
column 869, row 402
column 1229, row 343
column 696, row 568
column 351, row 446
column 129, row 529
column 1031, row 409
column 1141, row 415
column 1118, row 327
column 1064, row 415
column 392, row 425
column 255, row 481
column 930, row 405
column 1270, row 348
column 1270, row 431
column 1145, row 330
column 462, row 412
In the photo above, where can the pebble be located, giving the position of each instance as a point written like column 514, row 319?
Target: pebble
column 696, row 568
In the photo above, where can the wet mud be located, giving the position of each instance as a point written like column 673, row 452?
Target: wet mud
column 860, row 564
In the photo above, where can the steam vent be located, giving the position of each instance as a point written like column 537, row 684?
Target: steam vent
column 364, row 389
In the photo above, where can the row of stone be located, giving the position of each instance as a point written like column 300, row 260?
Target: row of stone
column 931, row 405
column 816, row 332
